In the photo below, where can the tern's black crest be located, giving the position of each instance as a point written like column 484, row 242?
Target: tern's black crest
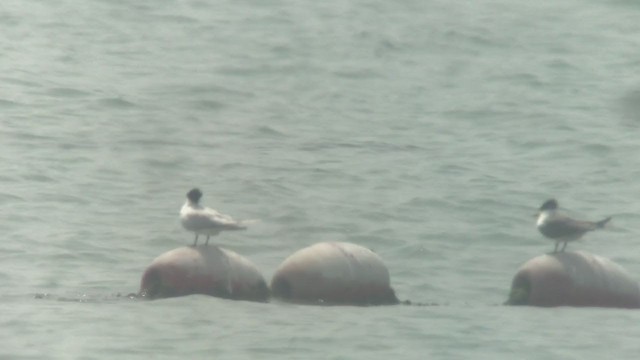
column 550, row 204
column 194, row 195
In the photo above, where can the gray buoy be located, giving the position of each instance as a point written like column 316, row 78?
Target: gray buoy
column 333, row 273
column 573, row 279
column 208, row 270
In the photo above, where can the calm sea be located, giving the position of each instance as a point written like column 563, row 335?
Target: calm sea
column 426, row 130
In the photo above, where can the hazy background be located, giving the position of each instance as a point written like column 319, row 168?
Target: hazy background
column 429, row 131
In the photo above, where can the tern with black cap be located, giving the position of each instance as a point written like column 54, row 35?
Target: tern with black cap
column 561, row 228
column 205, row 221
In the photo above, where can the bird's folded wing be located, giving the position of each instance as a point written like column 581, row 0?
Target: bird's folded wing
column 217, row 219
column 565, row 226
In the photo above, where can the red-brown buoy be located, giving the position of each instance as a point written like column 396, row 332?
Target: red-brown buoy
column 205, row 269
column 333, row 273
column 573, row 279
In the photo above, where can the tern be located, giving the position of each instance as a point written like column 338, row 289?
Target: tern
column 205, row 221
column 561, row 228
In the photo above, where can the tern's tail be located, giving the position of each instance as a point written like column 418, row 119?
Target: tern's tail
column 602, row 223
column 245, row 223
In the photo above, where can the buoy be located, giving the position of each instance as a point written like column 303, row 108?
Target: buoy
column 333, row 273
column 573, row 279
column 205, row 269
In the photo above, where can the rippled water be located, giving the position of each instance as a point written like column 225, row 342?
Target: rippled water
column 428, row 131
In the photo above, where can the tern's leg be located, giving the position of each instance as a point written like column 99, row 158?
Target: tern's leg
column 229, row 287
column 564, row 246
column 195, row 241
column 555, row 249
column 207, row 243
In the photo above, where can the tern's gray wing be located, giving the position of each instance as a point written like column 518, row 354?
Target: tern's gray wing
column 223, row 221
column 563, row 226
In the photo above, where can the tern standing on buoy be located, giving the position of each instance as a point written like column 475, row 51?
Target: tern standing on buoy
column 561, row 228
column 203, row 220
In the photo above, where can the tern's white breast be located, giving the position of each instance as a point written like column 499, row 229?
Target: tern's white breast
column 542, row 218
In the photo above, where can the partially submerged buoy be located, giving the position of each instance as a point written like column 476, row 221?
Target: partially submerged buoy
column 333, row 273
column 573, row 279
column 205, row 269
